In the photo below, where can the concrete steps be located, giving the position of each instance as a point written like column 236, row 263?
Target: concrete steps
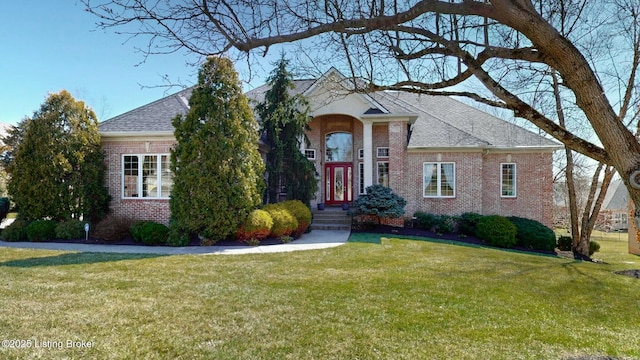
column 330, row 219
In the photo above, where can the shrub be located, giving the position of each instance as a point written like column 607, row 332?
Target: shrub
column 16, row 231
column 564, row 243
column 425, row 221
column 497, row 231
column 447, row 224
column 532, row 234
column 256, row 226
column 469, row 222
column 593, row 247
column 283, row 222
column 177, row 236
column 4, row 207
column 136, row 229
column 301, row 212
column 379, row 201
column 40, row 230
column 70, row 229
column 150, row 233
column 112, row 228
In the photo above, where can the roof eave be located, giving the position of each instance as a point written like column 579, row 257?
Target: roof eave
column 411, row 117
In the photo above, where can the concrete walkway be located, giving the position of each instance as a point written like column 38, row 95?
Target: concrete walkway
column 317, row 239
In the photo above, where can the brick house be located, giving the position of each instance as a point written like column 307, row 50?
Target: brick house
column 442, row 156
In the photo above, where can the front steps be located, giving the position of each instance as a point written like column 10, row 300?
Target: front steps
column 331, row 218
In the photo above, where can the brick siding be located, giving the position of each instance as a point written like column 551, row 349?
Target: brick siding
column 135, row 209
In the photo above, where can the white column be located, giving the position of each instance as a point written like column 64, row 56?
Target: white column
column 367, row 145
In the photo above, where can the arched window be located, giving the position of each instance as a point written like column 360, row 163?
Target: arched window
column 338, row 147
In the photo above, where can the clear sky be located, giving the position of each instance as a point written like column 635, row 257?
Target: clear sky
column 47, row 46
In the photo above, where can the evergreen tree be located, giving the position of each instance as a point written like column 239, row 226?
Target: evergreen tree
column 284, row 119
column 218, row 171
column 57, row 169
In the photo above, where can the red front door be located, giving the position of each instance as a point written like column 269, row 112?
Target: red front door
column 338, row 179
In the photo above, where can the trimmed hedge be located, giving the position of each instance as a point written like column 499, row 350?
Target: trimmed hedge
column 301, row 212
column 17, row 231
column 41, row 230
column 564, row 243
column 532, row 234
column 150, row 233
column 497, row 231
column 256, row 226
column 70, row 229
column 284, row 224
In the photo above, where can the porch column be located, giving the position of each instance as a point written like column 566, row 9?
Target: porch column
column 367, row 146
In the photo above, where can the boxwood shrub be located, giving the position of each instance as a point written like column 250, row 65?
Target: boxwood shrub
column 151, row 233
column 564, row 243
column 284, row 224
column 532, row 234
column 41, row 230
column 301, row 212
column 256, row 226
column 497, row 231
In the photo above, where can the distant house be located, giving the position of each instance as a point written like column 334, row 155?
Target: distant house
column 614, row 214
column 441, row 155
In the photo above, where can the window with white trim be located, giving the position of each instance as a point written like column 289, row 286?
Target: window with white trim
column 439, row 179
column 361, row 189
column 146, row 176
column 310, row 154
column 382, row 152
column 383, row 173
column 361, row 154
column 508, row 180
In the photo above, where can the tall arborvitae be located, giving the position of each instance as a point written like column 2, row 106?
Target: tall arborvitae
column 57, row 169
column 218, row 171
column 284, row 119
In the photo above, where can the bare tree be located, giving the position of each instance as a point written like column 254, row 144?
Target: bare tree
column 504, row 50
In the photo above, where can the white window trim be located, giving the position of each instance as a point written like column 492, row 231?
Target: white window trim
column 361, row 190
column 360, row 154
column 139, row 184
column 382, row 156
column 313, row 157
column 515, row 180
column 438, row 169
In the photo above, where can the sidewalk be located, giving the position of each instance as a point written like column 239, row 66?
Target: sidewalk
column 317, row 239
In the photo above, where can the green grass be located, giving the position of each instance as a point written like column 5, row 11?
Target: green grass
column 399, row 299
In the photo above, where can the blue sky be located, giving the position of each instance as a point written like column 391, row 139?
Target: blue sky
column 48, row 46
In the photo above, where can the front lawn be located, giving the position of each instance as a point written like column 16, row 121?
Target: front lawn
column 400, row 299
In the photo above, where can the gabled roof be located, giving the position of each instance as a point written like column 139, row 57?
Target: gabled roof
column 440, row 121
column 617, row 196
column 152, row 118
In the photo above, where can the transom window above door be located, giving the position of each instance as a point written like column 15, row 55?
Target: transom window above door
column 338, row 147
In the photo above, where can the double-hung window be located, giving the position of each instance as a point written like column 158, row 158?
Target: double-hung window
column 146, row 176
column 439, row 179
column 508, row 180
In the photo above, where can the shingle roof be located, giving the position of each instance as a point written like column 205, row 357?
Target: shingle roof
column 152, row 117
column 442, row 122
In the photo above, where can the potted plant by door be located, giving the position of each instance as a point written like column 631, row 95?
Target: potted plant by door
column 320, row 206
column 345, row 206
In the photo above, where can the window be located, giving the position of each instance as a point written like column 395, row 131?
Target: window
column 382, row 152
column 338, row 147
column 383, row 173
column 439, row 180
column 146, row 176
column 310, row 154
column 361, row 189
column 361, row 154
column 508, row 180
